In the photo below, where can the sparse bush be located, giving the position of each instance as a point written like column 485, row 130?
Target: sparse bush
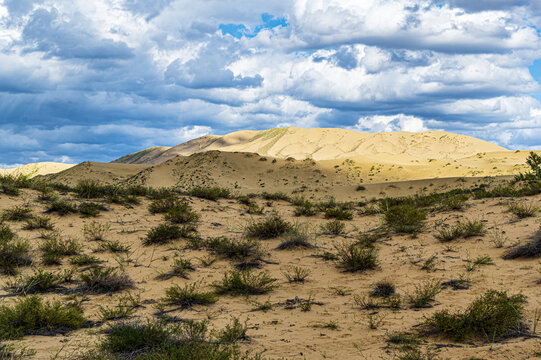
column 296, row 274
column 492, row 316
column 297, row 237
column 233, row 332
column 268, row 228
column 40, row 281
column 462, row 229
column 96, row 231
column 383, row 289
column 338, row 214
column 163, row 234
column 237, row 249
column 61, row 207
column 453, row 203
column 126, row 307
column 531, row 249
column 188, row 296
column 31, row 315
column 354, row 257
column 162, row 205
column 92, row 189
column 181, row 213
column 17, row 213
column 360, row 188
column 14, row 251
column 335, row 227
column 89, row 209
column 245, row 282
column 303, row 207
column 39, row 222
column 180, row 268
column 211, row 193
column 275, row 196
column 104, row 280
column 54, row 247
column 84, row 260
column 523, row 210
column 405, row 218
column 424, row 293
column 113, row 246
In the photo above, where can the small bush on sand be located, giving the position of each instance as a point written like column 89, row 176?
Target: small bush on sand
column 383, row 289
column 338, row 214
column 14, row 251
column 275, row 196
column 268, row 228
column 211, row 193
column 334, row 227
column 61, row 207
column 17, row 213
column 182, row 213
column 523, row 210
column 85, row 260
column 406, row 218
column 356, row 257
column 54, row 247
column 245, row 282
column 40, row 281
column 237, row 249
column 188, row 296
column 105, row 280
column 163, row 234
column 90, row 209
column 491, row 317
column 424, row 293
column 180, row 268
column 39, row 222
column 90, row 189
column 96, row 231
column 163, row 205
column 298, row 237
column 462, row 229
column 31, row 315
column 296, row 274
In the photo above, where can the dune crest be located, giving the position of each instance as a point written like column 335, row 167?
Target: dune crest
column 35, row 169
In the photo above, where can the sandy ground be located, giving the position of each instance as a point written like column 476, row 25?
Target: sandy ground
column 35, row 169
column 292, row 333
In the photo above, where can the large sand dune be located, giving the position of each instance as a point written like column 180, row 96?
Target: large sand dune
column 35, row 169
column 328, row 144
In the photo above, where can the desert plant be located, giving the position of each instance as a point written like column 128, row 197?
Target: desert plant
column 84, row 260
column 181, row 213
column 531, row 249
column 492, row 316
column 334, row 227
column 96, row 231
column 210, row 193
column 14, row 251
column 90, row 209
column 16, row 213
column 104, row 280
column 237, row 249
column 354, row 257
column 113, row 246
column 31, row 315
column 297, row 237
column 181, row 267
column 523, row 210
column 268, row 228
column 275, row 196
column 162, row 205
column 462, row 229
column 245, row 282
column 303, row 207
column 89, row 189
column 54, row 247
column 233, row 332
column 338, row 214
column 126, row 307
column 424, row 293
column 61, row 207
column 405, row 218
column 39, row 282
column 383, row 289
column 39, row 222
column 296, row 274
column 188, row 296
column 163, row 234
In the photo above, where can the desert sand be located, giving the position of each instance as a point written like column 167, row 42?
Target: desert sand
column 335, row 326
column 36, row 169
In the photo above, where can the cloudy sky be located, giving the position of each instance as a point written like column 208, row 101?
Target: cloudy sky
column 94, row 80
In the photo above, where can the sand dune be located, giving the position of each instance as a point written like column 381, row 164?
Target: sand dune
column 328, row 144
column 35, row 169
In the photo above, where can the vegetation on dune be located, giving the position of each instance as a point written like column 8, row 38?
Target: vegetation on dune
column 210, row 193
column 268, row 228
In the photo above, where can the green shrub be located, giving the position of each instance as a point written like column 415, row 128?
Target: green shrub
column 84, row 260
column 61, row 207
column 31, row 315
column 297, row 237
column 162, row 205
column 275, row 196
column 188, row 296
column 126, row 307
column 245, row 282
column 163, row 234
column 523, row 210
column 95, row 231
column 405, row 218
column 17, row 213
column 338, row 214
column 296, row 274
column 335, row 227
column 104, row 280
column 54, row 247
column 211, row 193
column 453, row 203
column 180, row 268
column 492, row 316
column 268, row 228
column 40, row 281
column 90, row 209
column 355, row 257
column 360, row 188
column 129, row 337
column 304, row 207
column 531, row 249
column 14, row 252
column 237, row 249
column 233, row 332
column 181, row 213
column 6, row 234
column 113, row 246
column 462, row 229
column 383, row 289
column 90, row 189
column 424, row 293
column 39, row 222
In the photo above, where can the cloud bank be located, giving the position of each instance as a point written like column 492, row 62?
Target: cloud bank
column 94, row 80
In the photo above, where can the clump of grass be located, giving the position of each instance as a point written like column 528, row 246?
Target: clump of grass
column 89, row 189
column 453, row 203
column 462, row 229
column 90, row 209
column 14, row 251
column 126, row 307
column 356, row 257
column 303, row 207
column 492, row 316
column 296, row 274
column 297, row 237
column 39, row 222
column 233, row 332
column 40, row 281
column 383, row 289
column 54, row 247
column 338, row 214
column 162, row 205
column 210, row 193
column 31, row 315
column 245, row 282
column 17, row 213
column 424, row 293
column 531, row 249
column 237, row 249
column 61, row 207
column 188, row 296
column 181, row 267
column 523, row 210
column 113, row 246
column 275, row 196
column 498, row 238
column 268, row 228
column 96, row 231
column 182, row 213
column 85, row 260
column 334, row 227
column 163, row 234
column 104, row 280
column 406, row 218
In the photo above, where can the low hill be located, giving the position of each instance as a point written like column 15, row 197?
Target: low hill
column 35, row 169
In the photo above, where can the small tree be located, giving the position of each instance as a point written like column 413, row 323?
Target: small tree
column 534, row 161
